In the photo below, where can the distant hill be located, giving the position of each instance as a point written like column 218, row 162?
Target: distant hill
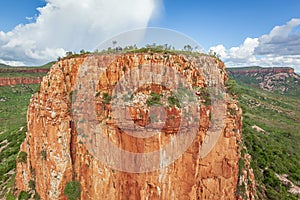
column 3, row 65
column 47, row 65
column 282, row 80
column 7, row 71
column 270, row 99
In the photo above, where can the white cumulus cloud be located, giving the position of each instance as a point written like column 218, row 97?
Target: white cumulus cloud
column 72, row 25
column 245, row 51
column 279, row 48
column 281, row 40
column 220, row 50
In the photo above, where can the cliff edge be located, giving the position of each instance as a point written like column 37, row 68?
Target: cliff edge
column 55, row 157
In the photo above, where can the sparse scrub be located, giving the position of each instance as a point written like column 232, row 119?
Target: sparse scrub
column 277, row 149
column 24, row 195
column 73, row 190
column 154, row 99
column 22, row 157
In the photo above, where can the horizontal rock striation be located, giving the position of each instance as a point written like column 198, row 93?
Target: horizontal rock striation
column 20, row 80
column 57, row 151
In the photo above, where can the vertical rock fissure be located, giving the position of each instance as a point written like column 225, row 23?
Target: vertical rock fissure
column 72, row 147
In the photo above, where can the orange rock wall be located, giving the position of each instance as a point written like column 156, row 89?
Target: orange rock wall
column 55, row 156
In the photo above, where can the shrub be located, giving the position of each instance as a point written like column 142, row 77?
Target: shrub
column 10, row 196
column 22, row 157
column 173, row 101
column 106, row 98
column 32, row 184
column 154, row 99
column 205, row 95
column 23, row 195
column 43, row 154
column 72, row 190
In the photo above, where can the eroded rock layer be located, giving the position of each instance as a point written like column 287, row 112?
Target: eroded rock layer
column 56, row 154
column 19, row 80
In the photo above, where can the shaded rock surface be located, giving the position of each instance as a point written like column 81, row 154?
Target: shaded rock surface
column 56, row 154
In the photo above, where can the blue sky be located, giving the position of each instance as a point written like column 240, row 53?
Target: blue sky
column 256, row 32
column 14, row 12
column 226, row 22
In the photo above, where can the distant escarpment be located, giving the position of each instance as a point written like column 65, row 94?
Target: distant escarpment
column 24, row 75
column 56, row 161
column 278, row 79
column 24, row 70
column 20, row 80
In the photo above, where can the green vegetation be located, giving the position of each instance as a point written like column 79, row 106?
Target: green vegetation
column 275, row 150
column 106, row 98
column 72, row 190
column 48, row 65
column 10, row 72
column 10, row 196
column 173, row 101
column 22, row 157
column 14, row 101
column 24, row 195
column 184, row 94
column 154, row 99
column 254, row 79
column 205, row 95
column 149, row 48
column 43, row 154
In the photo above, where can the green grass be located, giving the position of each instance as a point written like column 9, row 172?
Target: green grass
column 9, row 71
column 46, row 66
column 27, row 75
column 14, row 101
column 277, row 149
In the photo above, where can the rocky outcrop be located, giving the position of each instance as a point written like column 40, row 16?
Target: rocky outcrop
column 20, row 80
column 261, row 70
column 282, row 81
column 58, row 152
column 279, row 79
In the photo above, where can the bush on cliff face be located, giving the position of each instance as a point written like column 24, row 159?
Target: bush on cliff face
column 24, row 196
column 154, row 99
column 73, row 190
column 22, row 157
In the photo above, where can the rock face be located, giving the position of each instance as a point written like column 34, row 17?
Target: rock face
column 281, row 79
column 19, row 80
column 261, row 70
column 56, row 154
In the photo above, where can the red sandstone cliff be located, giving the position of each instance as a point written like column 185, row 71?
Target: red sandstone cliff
column 19, row 80
column 56, row 155
column 273, row 70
